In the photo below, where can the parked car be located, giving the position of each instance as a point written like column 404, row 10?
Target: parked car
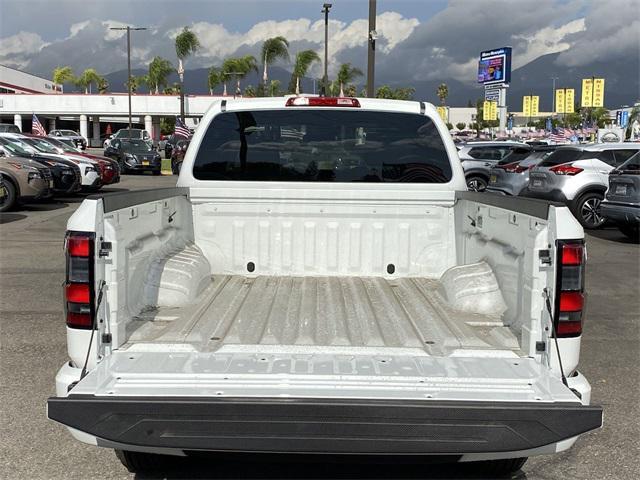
column 177, row 155
column 66, row 174
column 390, row 311
column 24, row 180
column 9, row 128
column 578, row 176
column 134, row 133
column 510, row 176
column 479, row 157
column 89, row 169
column 109, row 169
column 621, row 204
column 134, row 155
column 75, row 137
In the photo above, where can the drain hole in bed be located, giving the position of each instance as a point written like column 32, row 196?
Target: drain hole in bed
column 251, row 267
column 215, row 338
column 391, row 268
column 429, row 342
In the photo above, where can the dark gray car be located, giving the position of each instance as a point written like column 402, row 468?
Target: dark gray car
column 510, row 176
column 622, row 200
column 479, row 157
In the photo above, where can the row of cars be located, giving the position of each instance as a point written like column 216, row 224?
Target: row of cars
column 599, row 182
column 36, row 167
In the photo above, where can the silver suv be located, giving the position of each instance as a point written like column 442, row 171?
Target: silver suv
column 510, row 176
column 479, row 157
column 579, row 176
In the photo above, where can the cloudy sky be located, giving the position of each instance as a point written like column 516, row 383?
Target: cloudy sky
column 419, row 39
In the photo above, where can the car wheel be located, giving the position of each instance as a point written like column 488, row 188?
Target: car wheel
column 588, row 210
column 9, row 200
column 140, row 462
column 503, row 467
column 476, row 183
column 631, row 231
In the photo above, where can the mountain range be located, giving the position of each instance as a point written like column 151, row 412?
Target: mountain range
column 535, row 78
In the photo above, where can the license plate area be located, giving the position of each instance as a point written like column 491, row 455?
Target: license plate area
column 493, row 179
column 145, row 163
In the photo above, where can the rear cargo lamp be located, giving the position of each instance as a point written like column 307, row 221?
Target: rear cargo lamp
column 322, row 102
column 566, row 169
column 78, row 288
column 514, row 167
column 570, row 289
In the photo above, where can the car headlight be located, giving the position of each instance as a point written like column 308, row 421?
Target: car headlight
column 35, row 175
column 89, row 169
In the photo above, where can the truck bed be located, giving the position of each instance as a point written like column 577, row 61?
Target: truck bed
column 299, row 314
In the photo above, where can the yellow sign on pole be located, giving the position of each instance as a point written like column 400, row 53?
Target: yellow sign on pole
column 494, row 110
column 598, row 92
column 587, row 92
column 560, row 100
column 535, row 104
column 526, row 106
column 490, row 110
column 569, row 97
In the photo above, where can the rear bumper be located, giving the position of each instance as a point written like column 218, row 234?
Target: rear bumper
column 551, row 195
column 620, row 213
column 298, row 425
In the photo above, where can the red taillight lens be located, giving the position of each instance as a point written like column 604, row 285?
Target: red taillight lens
column 572, row 254
column 322, row 102
column 514, row 167
column 78, row 291
column 566, row 169
column 570, row 288
column 78, row 246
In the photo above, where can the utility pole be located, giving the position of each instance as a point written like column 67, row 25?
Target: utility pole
column 128, row 29
column 325, row 79
column 553, row 96
column 371, row 57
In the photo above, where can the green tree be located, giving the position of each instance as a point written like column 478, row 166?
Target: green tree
column 401, row 93
column 172, row 90
column 600, row 116
column 134, row 82
column 167, row 125
column 274, row 88
column 460, row 125
column 87, row 78
column 634, row 115
column 443, row 93
column 187, row 44
column 273, row 49
column 346, row 75
column 214, row 79
column 237, row 69
column 103, row 86
column 249, row 91
column 449, row 126
column 159, row 69
column 62, row 75
column 303, row 62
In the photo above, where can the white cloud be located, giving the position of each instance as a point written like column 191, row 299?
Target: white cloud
column 109, row 34
column 17, row 49
column 77, row 27
column 547, row 40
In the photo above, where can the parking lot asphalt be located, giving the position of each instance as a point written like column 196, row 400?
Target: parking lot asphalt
column 32, row 337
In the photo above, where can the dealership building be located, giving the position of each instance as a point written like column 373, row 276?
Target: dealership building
column 13, row 81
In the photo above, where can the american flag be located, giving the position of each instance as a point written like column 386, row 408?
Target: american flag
column 36, row 127
column 181, row 129
column 560, row 135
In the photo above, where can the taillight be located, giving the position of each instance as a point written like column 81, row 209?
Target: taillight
column 566, row 169
column 322, row 102
column 570, row 288
column 514, row 167
column 78, row 288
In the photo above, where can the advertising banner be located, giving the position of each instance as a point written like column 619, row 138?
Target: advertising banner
column 598, row 92
column 587, row 92
column 560, row 100
column 490, row 111
column 569, row 98
column 494, row 66
column 535, row 104
column 526, row 106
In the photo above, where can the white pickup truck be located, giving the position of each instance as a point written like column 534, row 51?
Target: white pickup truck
column 320, row 281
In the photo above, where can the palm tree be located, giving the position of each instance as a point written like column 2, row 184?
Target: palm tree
column 187, row 43
column 63, row 75
column 88, row 77
column 214, row 79
column 273, row 49
column 634, row 116
column 443, row 92
column 346, row 75
column 159, row 69
column 238, row 68
column 135, row 83
column 103, row 85
column 304, row 60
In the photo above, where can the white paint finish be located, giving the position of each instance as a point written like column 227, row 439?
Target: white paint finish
column 96, row 128
column 84, row 126
column 23, row 82
column 17, row 121
column 148, row 124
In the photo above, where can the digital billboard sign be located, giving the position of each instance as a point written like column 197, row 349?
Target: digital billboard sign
column 494, row 66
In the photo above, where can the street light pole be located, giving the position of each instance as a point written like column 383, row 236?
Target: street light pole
column 371, row 57
column 325, row 79
column 553, row 96
column 128, row 29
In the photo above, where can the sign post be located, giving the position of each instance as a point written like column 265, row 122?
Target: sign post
column 494, row 71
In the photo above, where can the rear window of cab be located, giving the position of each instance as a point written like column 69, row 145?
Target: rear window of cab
column 322, row 146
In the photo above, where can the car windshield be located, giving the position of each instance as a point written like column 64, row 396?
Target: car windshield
column 68, row 145
column 561, row 156
column 16, row 147
column 322, row 146
column 41, row 145
column 631, row 165
column 126, row 133
column 136, row 146
column 69, row 133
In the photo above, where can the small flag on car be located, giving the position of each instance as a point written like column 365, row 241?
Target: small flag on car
column 36, row 127
column 181, row 129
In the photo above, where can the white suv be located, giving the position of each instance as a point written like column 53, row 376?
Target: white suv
column 579, row 176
